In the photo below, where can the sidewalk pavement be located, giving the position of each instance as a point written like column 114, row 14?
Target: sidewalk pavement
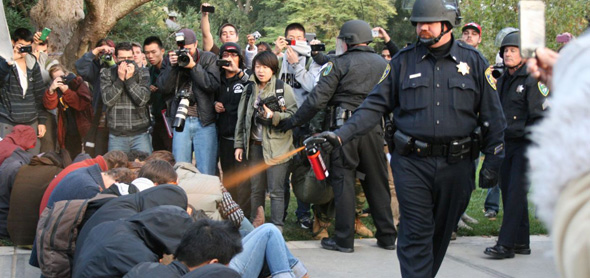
column 464, row 258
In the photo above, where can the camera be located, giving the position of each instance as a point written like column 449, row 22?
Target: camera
column 318, row 47
column 208, row 9
column 182, row 110
column 183, row 53
column 256, row 35
column 498, row 70
column 26, row 49
column 67, row 79
column 222, row 63
column 290, row 42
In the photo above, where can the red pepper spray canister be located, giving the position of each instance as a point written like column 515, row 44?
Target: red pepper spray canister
column 315, row 158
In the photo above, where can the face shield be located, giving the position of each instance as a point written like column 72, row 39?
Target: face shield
column 341, row 47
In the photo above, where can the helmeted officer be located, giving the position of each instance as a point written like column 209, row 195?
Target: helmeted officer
column 345, row 82
column 439, row 93
column 524, row 101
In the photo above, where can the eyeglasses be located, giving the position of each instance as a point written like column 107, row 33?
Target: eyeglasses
column 229, row 54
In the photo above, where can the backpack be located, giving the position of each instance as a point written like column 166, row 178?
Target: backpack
column 57, row 232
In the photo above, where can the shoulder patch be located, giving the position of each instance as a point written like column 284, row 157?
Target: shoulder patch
column 328, row 69
column 491, row 80
column 543, row 89
column 385, row 73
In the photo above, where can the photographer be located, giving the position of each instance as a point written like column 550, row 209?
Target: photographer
column 70, row 95
column 257, row 139
column 233, row 83
column 125, row 93
column 198, row 78
column 21, row 88
column 88, row 67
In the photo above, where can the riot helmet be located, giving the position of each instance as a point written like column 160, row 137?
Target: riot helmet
column 356, row 32
column 444, row 11
column 435, row 11
column 511, row 39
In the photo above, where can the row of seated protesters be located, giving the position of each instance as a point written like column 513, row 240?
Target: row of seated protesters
column 121, row 216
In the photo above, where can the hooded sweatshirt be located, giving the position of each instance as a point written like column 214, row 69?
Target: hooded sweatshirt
column 113, row 248
column 22, row 136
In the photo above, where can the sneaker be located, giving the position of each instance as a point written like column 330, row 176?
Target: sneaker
column 469, row 219
column 463, row 225
column 305, row 222
column 490, row 214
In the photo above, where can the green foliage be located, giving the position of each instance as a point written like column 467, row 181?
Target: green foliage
column 147, row 20
column 15, row 18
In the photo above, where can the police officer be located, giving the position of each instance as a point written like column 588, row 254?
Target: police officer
column 524, row 102
column 439, row 94
column 344, row 84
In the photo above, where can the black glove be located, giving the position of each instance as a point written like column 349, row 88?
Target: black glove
column 487, row 178
column 332, row 141
column 285, row 125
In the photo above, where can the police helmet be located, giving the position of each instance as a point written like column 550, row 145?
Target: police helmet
column 435, row 11
column 511, row 39
column 356, row 32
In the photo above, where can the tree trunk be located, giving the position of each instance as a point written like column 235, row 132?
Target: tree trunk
column 74, row 32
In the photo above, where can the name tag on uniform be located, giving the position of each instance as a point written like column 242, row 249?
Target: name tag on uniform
column 415, row 75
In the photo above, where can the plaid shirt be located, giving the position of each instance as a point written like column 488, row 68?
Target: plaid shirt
column 126, row 101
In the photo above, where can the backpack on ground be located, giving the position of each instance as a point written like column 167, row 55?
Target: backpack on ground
column 57, row 232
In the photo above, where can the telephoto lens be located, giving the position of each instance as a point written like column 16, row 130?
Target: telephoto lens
column 181, row 113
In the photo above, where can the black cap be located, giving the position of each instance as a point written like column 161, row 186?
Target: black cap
column 231, row 47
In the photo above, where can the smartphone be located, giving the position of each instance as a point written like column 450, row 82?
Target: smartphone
column 26, row 49
column 310, row 37
column 222, row 63
column 208, row 9
column 46, row 31
column 532, row 26
column 375, row 33
column 291, row 42
column 318, row 47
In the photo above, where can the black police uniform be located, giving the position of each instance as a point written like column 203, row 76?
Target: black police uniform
column 345, row 83
column 524, row 101
column 434, row 101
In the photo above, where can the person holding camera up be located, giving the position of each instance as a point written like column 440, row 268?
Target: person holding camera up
column 125, row 93
column 233, row 83
column 189, row 86
column 262, row 106
column 227, row 32
column 22, row 88
column 88, row 67
column 70, row 95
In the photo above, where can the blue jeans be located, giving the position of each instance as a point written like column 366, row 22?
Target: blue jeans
column 493, row 199
column 201, row 139
column 266, row 243
column 140, row 142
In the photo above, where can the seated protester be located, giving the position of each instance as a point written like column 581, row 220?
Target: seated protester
column 227, row 99
column 110, row 160
column 257, row 138
column 227, row 33
column 85, row 183
column 136, row 155
column 113, row 248
column 152, row 173
column 127, row 206
column 125, row 93
column 162, row 155
column 266, row 246
column 205, row 242
column 28, row 188
column 22, row 137
column 22, row 89
column 72, row 98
